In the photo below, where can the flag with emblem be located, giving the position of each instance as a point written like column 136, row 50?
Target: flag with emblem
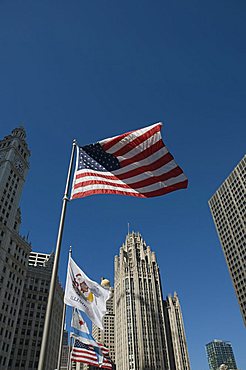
column 136, row 163
column 85, row 294
column 87, row 354
column 80, row 329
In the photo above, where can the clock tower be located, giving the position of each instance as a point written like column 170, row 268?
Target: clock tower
column 14, row 249
column 14, row 156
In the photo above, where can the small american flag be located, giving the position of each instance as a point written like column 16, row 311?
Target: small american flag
column 87, row 354
column 136, row 163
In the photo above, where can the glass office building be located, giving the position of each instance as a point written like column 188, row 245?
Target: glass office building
column 220, row 352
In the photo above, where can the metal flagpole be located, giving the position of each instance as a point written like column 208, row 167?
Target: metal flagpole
column 55, row 266
column 61, row 337
column 70, row 354
column 62, row 327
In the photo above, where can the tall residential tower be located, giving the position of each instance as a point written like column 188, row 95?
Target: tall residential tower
column 228, row 209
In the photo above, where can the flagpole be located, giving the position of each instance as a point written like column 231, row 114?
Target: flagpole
column 42, row 356
column 70, row 354
column 62, row 327
column 61, row 337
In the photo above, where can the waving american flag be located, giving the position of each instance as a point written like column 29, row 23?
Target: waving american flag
column 136, row 163
column 82, row 352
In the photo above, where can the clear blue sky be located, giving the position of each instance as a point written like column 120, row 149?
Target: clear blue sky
column 93, row 69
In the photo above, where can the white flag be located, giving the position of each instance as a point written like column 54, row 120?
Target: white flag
column 85, row 294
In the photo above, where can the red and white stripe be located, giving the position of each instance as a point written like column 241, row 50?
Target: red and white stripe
column 147, row 169
column 89, row 357
column 107, row 364
column 84, row 355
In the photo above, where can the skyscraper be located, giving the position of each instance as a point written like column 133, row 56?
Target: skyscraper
column 29, row 330
column 177, row 346
column 220, row 352
column 24, row 275
column 14, row 249
column 228, row 208
column 141, row 338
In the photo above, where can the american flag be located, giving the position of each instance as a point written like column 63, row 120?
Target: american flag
column 136, row 163
column 87, row 354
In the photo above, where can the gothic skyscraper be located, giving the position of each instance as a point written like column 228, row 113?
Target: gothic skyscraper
column 141, row 341
column 141, row 338
column 177, row 346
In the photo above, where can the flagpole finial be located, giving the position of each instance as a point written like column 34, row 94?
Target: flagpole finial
column 105, row 283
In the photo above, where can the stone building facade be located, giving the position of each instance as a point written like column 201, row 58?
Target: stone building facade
column 149, row 332
column 14, row 249
column 177, row 345
column 24, row 275
column 30, row 323
column 140, row 335
column 106, row 336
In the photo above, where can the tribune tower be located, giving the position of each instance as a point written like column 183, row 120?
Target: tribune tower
column 149, row 332
column 140, row 341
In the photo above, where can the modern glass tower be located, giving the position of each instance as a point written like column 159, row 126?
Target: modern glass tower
column 220, row 352
column 228, row 209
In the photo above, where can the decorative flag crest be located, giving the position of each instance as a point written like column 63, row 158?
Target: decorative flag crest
column 136, row 163
column 82, row 288
column 85, row 294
